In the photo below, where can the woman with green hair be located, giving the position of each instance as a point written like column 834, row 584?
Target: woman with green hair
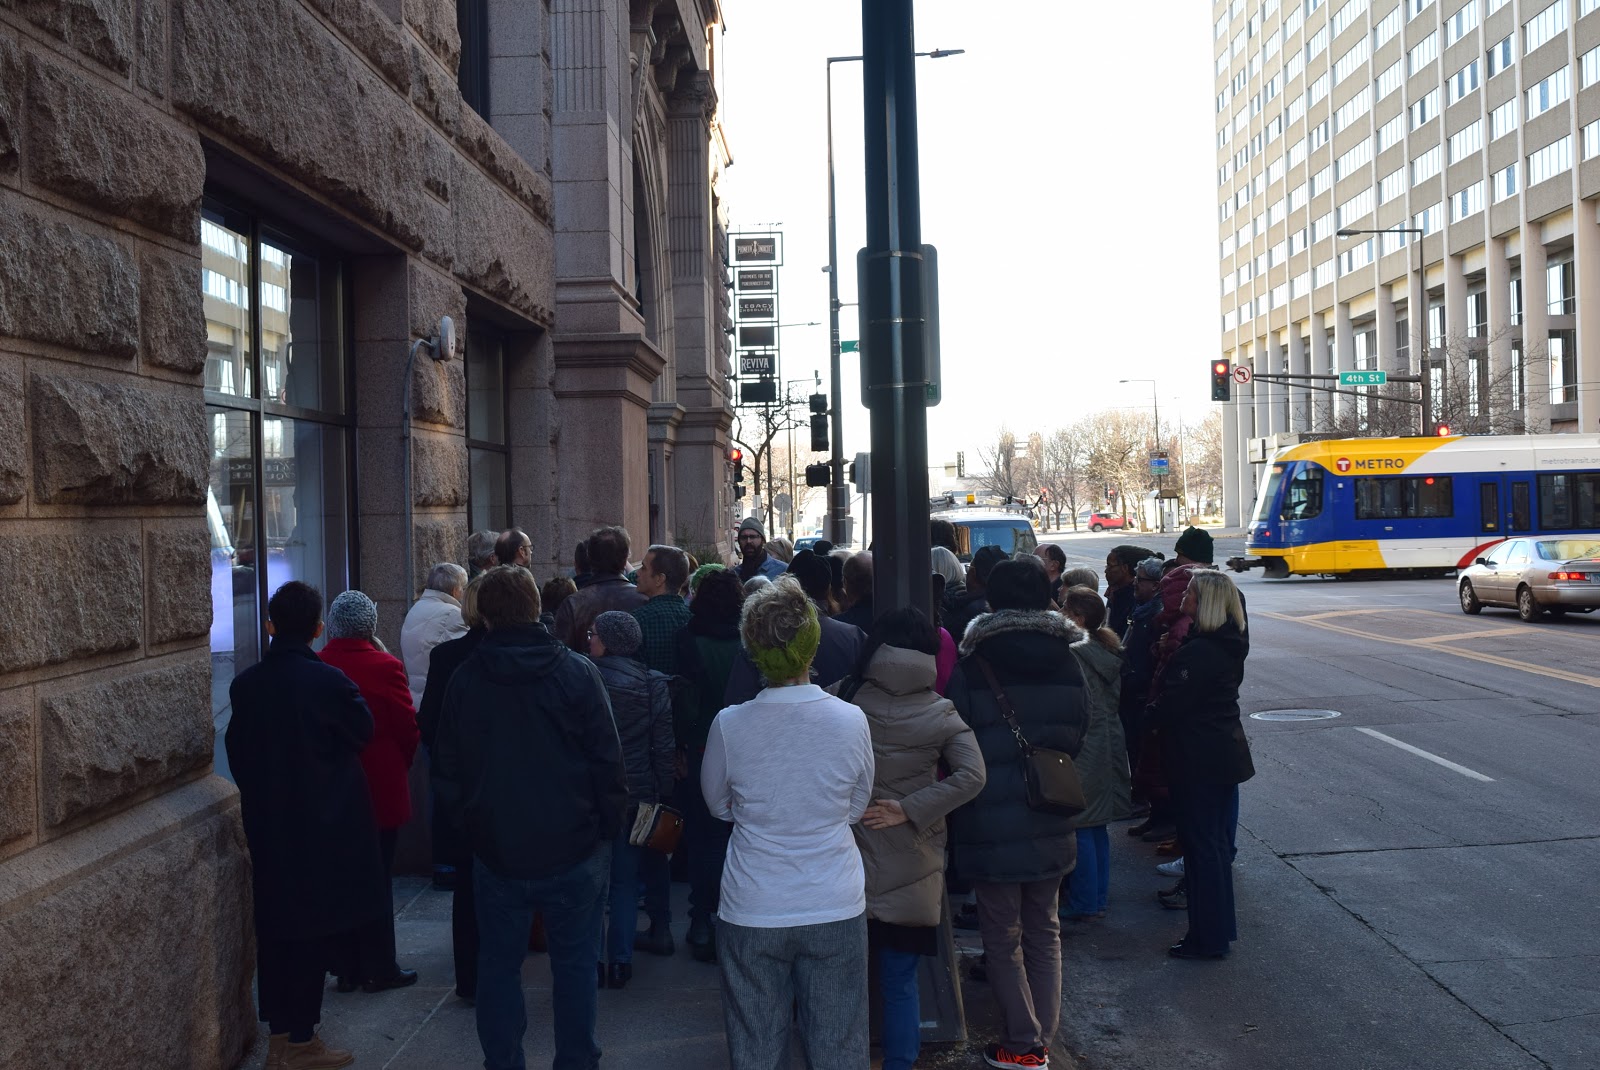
column 792, row 770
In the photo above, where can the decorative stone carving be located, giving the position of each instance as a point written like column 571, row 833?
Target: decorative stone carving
column 102, row 147
column 65, row 285
column 105, row 444
column 101, row 743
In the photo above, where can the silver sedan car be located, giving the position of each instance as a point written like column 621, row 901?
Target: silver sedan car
column 1535, row 576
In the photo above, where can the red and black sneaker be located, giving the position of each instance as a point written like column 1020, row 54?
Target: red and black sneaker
column 1003, row 1057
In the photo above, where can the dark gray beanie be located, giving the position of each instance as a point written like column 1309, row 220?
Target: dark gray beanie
column 619, row 632
column 352, row 616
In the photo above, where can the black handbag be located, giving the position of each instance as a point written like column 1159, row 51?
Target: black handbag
column 1052, row 779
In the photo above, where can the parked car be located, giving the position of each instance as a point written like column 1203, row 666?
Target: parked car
column 1535, row 576
column 807, row 542
column 1097, row 522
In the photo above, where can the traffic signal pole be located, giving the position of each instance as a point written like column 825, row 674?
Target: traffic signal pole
column 894, row 343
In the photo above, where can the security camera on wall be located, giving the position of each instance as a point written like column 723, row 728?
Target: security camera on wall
column 445, row 348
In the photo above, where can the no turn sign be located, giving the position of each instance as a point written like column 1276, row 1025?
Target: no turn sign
column 1241, row 373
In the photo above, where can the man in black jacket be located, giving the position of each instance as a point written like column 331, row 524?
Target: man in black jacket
column 527, row 757
column 294, row 746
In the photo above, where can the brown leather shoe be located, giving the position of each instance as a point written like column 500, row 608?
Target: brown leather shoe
column 1169, row 848
column 314, row 1055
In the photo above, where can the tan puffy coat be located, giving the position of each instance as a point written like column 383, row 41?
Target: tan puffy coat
column 912, row 728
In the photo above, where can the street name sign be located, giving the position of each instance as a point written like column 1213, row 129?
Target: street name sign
column 1363, row 378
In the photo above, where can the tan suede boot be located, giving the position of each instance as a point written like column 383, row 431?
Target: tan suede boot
column 314, row 1055
column 275, row 1045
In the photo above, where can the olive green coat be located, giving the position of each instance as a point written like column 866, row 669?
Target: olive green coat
column 912, row 728
column 1102, row 764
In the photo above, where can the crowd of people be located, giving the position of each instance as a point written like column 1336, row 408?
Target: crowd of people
column 842, row 779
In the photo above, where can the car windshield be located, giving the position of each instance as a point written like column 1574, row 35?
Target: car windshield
column 1269, row 494
column 1568, row 549
column 1012, row 536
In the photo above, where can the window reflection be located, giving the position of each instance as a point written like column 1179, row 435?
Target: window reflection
column 303, row 504
column 231, row 522
column 225, row 282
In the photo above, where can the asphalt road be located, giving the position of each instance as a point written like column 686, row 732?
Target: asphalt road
column 1415, row 877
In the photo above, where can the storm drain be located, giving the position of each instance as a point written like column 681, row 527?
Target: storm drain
column 1294, row 715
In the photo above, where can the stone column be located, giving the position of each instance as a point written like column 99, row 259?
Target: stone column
column 1244, row 406
column 1299, row 364
column 1456, row 344
column 1387, row 326
column 1535, row 333
column 1277, row 401
column 1232, row 461
column 1344, row 359
column 1586, row 262
column 1497, row 290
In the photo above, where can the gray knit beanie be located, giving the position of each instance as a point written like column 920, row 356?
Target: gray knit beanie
column 352, row 616
column 619, row 632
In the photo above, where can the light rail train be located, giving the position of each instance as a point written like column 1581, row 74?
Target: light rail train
column 1416, row 505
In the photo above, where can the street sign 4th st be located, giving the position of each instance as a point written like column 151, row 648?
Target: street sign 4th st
column 1363, row 378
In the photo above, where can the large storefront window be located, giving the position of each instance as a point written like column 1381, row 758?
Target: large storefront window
column 488, row 445
column 277, row 402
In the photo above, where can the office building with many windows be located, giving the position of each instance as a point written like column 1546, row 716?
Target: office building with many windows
column 1408, row 186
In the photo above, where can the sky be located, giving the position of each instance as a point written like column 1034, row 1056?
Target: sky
column 1068, row 169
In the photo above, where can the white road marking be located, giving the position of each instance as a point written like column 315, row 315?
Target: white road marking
column 1420, row 753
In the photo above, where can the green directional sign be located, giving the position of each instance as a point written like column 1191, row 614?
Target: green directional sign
column 849, row 345
column 1363, row 378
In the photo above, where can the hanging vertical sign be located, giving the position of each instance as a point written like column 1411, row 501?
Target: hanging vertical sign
column 755, row 315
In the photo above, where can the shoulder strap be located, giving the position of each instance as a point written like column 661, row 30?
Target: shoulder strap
column 1006, row 709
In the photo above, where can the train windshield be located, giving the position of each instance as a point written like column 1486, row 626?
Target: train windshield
column 1269, row 494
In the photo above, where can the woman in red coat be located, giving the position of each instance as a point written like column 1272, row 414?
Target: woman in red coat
column 353, row 648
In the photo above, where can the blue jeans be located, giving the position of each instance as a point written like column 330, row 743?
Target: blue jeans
column 814, row 973
column 1089, row 885
column 571, row 902
column 1205, row 825
column 899, row 985
column 614, row 939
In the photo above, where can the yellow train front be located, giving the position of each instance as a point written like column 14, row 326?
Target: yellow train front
column 1416, row 506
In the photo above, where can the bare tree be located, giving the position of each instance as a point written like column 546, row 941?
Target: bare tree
column 1468, row 395
column 756, row 430
column 1116, row 444
column 1062, row 472
column 1008, row 466
column 1200, row 457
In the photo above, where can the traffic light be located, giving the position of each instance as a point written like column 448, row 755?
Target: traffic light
column 817, row 475
column 819, row 434
column 736, row 458
column 1221, row 380
column 1442, row 430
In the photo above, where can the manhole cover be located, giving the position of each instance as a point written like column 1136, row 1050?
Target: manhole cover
column 1294, row 715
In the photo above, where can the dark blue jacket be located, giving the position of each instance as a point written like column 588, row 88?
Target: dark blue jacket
column 526, row 761
column 294, row 746
column 837, row 654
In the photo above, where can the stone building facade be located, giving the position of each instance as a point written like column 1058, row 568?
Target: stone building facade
column 224, row 231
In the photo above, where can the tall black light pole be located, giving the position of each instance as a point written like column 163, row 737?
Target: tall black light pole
column 1418, row 317
column 894, row 340
column 838, row 494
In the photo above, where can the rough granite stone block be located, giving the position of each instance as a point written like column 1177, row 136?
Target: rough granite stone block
column 169, row 924
column 99, row 146
column 65, row 285
column 434, row 21
column 178, row 579
column 13, row 435
column 484, row 144
column 13, row 80
column 374, row 32
column 434, row 540
column 369, row 161
column 102, row 743
column 439, row 389
column 106, row 444
column 71, row 612
column 16, row 765
column 438, row 469
column 434, row 90
column 501, row 247
column 172, row 310
column 434, row 295
column 100, row 29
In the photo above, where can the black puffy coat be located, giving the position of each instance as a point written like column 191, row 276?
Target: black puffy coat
column 1202, row 738
column 294, row 746
column 526, row 760
column 997, row 837
column 641, row 705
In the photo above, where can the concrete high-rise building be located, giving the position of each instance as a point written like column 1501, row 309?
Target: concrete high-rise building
column 1466, row 130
